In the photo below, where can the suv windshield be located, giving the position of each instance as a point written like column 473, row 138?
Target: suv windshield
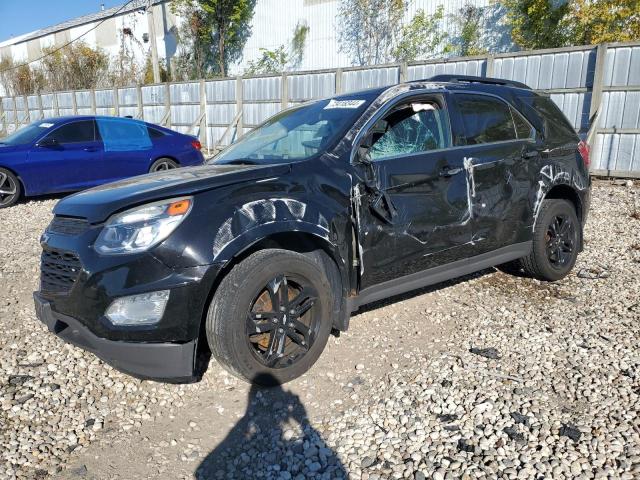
column 27, row 134
column 298, row 133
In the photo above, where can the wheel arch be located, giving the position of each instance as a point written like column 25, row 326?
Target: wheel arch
column 566, row 192
column 300, row 241
column 19, row 177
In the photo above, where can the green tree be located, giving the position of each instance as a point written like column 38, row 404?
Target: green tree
column 369, row 29
column 218, row 29
column 422, row 37
column 538, row 23
column 601, row 21
column 282, row 58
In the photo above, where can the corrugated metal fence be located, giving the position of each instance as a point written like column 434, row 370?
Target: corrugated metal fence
column 583, row 81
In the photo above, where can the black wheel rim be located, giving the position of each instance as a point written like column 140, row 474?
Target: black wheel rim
column 560, row 241
column 8, row 189
column 163, row 165
column 283, row 320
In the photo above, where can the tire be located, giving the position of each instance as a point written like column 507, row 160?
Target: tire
column 246, row 329
column 163, row 164
column 542, row 263
column 10, row 188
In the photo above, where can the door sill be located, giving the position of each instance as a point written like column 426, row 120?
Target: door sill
column 438, row 274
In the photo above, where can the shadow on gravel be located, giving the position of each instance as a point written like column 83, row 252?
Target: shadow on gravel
column 274, row 439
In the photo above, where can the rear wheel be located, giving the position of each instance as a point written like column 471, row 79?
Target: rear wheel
column 163, row 164
column 270, row 317
column 10, row 188
column 556, row 240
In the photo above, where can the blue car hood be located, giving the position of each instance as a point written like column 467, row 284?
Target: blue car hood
column 98, row 203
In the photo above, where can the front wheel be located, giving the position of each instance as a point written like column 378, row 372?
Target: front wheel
column 10, row 188
column 556, row 240
column 270, row 317
column 163, row 164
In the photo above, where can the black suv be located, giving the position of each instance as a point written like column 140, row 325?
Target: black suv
column 259, row 255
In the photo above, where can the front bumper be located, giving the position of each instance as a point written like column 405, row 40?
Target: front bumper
column 173, row 362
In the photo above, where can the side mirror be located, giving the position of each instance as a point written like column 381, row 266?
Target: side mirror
column 48, row 142
column 363, row 155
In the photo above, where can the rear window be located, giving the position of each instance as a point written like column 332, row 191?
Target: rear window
column 122, row 134
column 153, row 133
column 555, row 126
column 485, row 120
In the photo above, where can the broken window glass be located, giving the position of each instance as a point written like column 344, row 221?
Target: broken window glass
column 409, row 129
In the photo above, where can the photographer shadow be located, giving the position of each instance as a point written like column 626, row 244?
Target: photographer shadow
column 274, row 439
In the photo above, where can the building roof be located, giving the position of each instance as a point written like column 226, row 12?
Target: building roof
column 78, row 21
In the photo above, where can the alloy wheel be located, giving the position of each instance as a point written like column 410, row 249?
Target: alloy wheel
column 282, row 323
column 560, row 241
column 163, row 165
column 8, row 188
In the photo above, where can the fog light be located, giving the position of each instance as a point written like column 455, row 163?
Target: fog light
column 143, row 309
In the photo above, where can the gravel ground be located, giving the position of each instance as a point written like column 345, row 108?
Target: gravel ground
column 493, row 376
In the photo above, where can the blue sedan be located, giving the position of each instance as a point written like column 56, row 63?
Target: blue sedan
column 73, row 153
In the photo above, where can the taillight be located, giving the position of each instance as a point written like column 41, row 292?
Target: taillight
column 196, row 144
column 585, row 152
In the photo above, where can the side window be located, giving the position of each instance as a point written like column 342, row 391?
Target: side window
column 412, row 127
column 485, row 120
column 523, row 129
column 121, row 134
column 153, row 133
column 76, row 132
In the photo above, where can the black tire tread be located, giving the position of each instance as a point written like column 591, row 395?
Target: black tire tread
column 532, row 263
column 225, row 296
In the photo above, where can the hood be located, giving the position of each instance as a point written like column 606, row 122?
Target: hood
column 98, row 203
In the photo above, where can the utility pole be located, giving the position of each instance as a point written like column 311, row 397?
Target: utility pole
column 154, row 45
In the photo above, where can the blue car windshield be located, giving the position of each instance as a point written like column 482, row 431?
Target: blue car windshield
column 296, row 134
column 26, row 134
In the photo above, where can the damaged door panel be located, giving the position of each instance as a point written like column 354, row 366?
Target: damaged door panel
column 414, row 213
column 501, row 152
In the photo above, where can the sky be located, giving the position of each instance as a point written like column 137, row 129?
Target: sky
column 18, row 17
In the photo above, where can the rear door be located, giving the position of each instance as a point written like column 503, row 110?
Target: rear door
column 502, row 157
column 412, row 205
column 67, row 158
column 128, row 148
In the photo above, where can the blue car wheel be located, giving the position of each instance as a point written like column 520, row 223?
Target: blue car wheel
column 10, row 188
column 163, row 164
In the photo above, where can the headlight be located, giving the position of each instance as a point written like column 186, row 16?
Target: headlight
column 141, row 228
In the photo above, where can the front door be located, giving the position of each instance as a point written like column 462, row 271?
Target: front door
column 66, row 158
column 412, row 200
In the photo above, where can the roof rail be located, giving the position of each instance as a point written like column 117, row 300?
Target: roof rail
column 472, row 79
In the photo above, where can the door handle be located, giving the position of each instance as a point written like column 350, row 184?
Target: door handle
column 90, row 149
column 447, row 172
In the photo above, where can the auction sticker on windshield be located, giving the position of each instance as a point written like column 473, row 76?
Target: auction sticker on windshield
column 344, row 104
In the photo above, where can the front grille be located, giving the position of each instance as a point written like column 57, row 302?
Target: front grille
column 59, row 270
column 68, row 226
